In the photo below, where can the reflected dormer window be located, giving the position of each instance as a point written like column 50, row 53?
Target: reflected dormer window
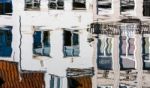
column 32, row 4
column 56, row 4
column 127, row 7
column 79, row 4
column 104, row 7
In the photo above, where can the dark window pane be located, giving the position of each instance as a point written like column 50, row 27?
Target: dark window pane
column 75, row 39
column 5, row 43
column 28, row 5
column 52, row 82
column 46, row 39
column 58, row 82
column 79, row 4
column 104, row 63
column 67, row 38
column 37, row 39
column 5, row 7
column 56, row 4
column 146, row 8
column 9, row 38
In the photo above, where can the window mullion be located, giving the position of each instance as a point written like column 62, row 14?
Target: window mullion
column 42, row 48
column 105, row 46
column 32, row 4
column 56, row 4
column 127, row 45
column 72, row 43
column 149, row 48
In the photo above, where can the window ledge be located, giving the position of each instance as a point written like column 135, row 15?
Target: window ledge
column 41, row 57
column 105, row 56
column 147, row 60
column 71, row 57
column 128, row 57
column 79, row 10
column 6, row 58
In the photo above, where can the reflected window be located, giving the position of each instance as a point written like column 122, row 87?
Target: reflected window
column 104, row 59
column 127, row 46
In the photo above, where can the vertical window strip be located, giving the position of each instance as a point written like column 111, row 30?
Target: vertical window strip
column 105, row 46
column 123, row 45
column 127, row 45
column 52, row 82
column 131, row 46
column 75, row 42
column 102, row 45
column 109, row 47
column 146, row 46
column 58, row 82
column 127, row 6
